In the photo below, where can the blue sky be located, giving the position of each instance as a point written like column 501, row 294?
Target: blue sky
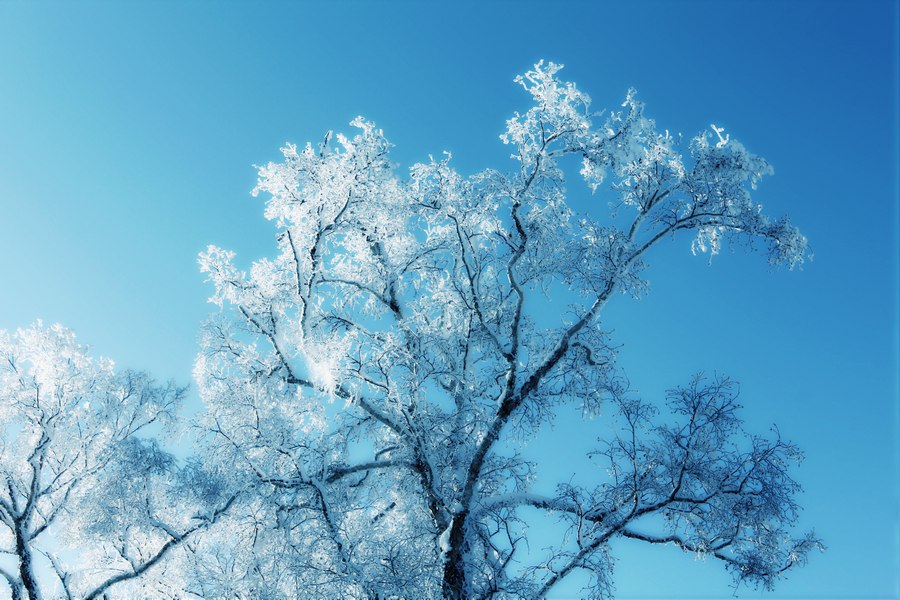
column 128, row 132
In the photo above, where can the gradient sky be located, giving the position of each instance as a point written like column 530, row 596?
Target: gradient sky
column 128, row 132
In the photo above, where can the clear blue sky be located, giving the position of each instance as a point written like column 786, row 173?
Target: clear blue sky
column 128, row 132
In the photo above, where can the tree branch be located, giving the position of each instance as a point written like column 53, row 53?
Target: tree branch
column 157, row 557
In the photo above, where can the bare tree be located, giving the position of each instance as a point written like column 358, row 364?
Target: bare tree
column 368, row 384
column 76, row 476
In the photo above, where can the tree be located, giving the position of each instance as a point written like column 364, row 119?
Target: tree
column 77, row 476
column 368, row 385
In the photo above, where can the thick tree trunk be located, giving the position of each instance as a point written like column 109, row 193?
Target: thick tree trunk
column 26, row 569
column 454, row 584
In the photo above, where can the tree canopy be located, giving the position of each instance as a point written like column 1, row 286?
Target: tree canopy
column 368, row 390
column 366, row 387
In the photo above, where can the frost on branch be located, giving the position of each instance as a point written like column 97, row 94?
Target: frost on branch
column 423, row 301
column 87, row 505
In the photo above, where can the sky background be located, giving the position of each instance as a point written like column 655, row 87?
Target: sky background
column 128, row 132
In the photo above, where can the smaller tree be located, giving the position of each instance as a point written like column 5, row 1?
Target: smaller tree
column 73, row 468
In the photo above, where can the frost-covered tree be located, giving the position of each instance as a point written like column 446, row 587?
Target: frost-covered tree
column 369, row 385
column 85, row 502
